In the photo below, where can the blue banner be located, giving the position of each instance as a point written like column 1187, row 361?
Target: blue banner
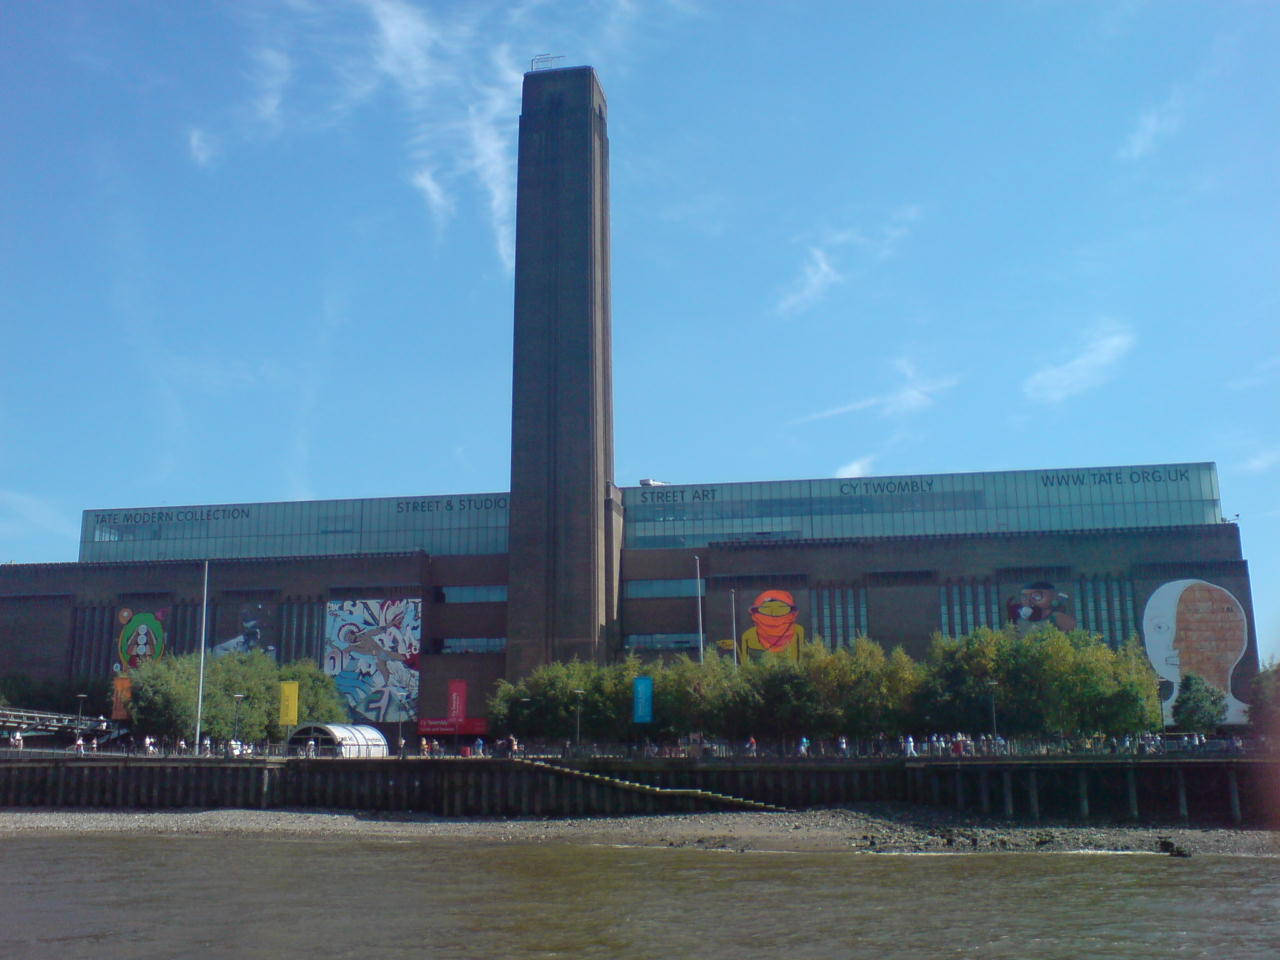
column 642, row 700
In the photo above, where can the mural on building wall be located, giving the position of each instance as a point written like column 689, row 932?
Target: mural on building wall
column 773, row 631
column 371, row 650
column 243, row 627
column 141, row 637
column 1190, row 626
column 1040, row 604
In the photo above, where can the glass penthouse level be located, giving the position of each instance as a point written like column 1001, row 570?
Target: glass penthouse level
column 684, row 515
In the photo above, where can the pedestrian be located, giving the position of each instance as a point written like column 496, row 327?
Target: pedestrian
column 804, row 747
column 80, row 745
column 16, row 740
column 751, row 746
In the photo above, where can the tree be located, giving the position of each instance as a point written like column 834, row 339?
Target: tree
column 318, row 698
column 1199, row 708
column 165, row 690
column 1264, row 701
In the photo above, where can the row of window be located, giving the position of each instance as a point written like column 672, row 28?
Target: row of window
column 699, row 532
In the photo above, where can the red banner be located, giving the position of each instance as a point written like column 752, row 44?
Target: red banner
column 457, row 700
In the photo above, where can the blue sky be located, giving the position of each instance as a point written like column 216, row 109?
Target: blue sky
column 258, row 252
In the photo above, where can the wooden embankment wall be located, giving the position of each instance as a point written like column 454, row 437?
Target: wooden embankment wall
column 1218, row 791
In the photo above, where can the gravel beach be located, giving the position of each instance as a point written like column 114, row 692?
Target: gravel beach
column 868, row 829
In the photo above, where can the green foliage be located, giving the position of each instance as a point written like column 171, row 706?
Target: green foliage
column 1047, row 682
column 318, row 698
column 165, row 693
column 1264, row 701
column 1199, row 708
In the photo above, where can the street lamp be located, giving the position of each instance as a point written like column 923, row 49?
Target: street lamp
column 80, row 698
column 991, row 689
column 237, row 697
column 577, row 736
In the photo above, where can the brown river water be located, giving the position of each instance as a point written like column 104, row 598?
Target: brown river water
column 147, row 896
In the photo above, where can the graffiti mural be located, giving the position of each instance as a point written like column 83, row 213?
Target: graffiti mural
column 371, row 650
column 1190, row 626
column 244, row 627
column 1040, row 604
column 141, row 637
column 774, row 630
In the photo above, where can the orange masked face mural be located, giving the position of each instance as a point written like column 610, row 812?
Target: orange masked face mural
column 775, row 632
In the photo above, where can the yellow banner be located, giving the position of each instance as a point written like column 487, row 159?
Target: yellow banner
column 288, row 703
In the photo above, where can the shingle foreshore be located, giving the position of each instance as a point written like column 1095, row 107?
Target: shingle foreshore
column 872, row 829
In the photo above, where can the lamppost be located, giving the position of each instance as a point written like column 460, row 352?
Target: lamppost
column 697, row 573
column 577, row 734
column 237, row 697
column 80, row 698
column 991, row 690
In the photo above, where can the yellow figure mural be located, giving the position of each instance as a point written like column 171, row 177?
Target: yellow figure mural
column 775, row 631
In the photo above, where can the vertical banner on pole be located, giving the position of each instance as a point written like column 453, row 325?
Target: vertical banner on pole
column 288, row 703
column 121, row 694
column 457, row 711
column 642, row 700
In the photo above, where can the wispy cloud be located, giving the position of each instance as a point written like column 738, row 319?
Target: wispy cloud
column 1259, row 374
column 1155, row 125
column 857, row 468
column 817, row 276
column 201, row 146
column 1164, row 120
column 451, row 67
column 272, row 74
column 914, row 394
column 1262, row 461
column 22, row 515
column 1095, row 362
column 822, row 270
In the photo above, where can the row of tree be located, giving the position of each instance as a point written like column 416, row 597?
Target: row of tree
column 1041, row 684
column 165, row 691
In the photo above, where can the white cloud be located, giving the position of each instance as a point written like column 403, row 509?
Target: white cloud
column 438, row 199
column 22, row 515
column 816, row 277
column 1094, row 363
column 1262, row 461
column 915, row 394
column 857, row 468
column 201, row 146
column 1155, row 125
column 820, row 272
column 450, row 67
column 274, row 69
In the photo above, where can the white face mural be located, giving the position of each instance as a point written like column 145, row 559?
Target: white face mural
column 1190, row 626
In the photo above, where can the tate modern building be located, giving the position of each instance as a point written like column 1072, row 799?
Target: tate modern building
column 418, row 605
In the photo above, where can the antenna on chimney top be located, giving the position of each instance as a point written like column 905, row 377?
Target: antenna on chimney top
column 545, row 61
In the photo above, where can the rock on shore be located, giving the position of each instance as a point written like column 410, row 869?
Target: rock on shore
column 872, row 828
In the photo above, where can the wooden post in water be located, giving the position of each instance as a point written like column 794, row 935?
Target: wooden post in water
column 1082, row 789
column 1033, row 795
column 1007, row 783
column 1131, row 786
column 1182, row 793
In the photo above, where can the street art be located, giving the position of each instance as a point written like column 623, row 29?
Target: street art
column 1040, row 605
column 141, row 637
column 774, row 631
column 256, row 623
column 371, row 651
column 1190, row 626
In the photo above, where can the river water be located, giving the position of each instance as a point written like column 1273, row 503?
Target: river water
column 96, row 896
